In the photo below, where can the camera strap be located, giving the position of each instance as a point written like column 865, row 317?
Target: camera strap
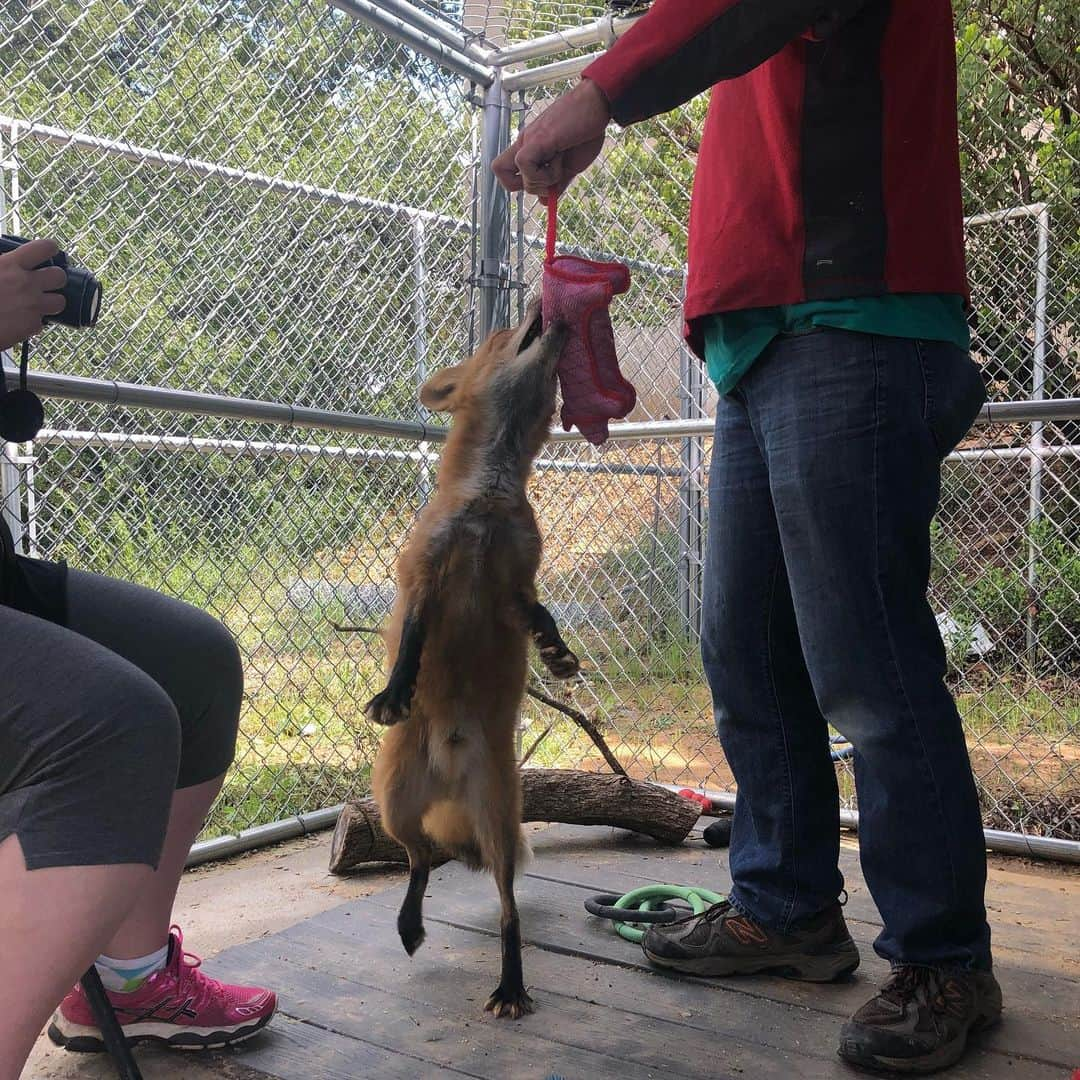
column 21, row 412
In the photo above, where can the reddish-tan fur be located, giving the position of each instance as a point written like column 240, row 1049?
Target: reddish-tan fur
column 446, row 773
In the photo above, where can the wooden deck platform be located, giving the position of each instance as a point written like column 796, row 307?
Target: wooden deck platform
column 355, row 1007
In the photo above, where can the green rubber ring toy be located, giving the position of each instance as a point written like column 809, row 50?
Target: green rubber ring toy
column 642, row 900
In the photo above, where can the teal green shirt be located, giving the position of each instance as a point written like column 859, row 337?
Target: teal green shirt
column 735, row 339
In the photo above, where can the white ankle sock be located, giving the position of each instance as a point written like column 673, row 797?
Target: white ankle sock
column 123, row 976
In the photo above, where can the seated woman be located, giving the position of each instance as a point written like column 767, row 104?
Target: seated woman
column 118, row 718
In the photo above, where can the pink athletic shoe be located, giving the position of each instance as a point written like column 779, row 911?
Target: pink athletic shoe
column 178, row 1006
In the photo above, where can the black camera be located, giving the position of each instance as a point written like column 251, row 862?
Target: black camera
column 82, row 293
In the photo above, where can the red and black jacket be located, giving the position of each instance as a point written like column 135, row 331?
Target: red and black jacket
column 829, row 163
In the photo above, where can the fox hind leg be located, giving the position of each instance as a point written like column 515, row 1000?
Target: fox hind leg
column 410, row 922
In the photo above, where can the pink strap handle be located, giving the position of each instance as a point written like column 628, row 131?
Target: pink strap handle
column 552, row 225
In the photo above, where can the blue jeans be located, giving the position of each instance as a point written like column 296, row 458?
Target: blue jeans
column 825, row 477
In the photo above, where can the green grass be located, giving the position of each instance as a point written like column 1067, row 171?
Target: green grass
column 257, row 795
column 304, row 743
column 1050, row 713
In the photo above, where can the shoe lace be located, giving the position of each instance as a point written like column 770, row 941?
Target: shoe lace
column 718, row 911
column 187, row 963
column 710, row 914
column 911, row 984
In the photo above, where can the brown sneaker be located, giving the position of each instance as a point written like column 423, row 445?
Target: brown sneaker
column 921, row 1019
column 724, row 942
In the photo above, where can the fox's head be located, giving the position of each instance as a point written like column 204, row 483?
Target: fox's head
column 503, row 396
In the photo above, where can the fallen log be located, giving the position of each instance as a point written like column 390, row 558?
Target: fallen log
column 563, row 795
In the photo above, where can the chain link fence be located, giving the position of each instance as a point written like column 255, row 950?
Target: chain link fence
column 287, row 205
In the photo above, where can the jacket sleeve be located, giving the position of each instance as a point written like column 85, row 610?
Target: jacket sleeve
column 682, row 47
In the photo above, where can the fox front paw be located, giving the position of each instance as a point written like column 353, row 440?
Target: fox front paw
column 560, row 661
column 389, row 706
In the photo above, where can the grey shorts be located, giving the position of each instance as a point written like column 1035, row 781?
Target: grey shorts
column 102, row 719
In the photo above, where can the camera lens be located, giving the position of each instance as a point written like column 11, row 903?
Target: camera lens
column 82, row 294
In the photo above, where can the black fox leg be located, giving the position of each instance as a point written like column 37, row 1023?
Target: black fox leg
column 392, row 704
column 554, row 652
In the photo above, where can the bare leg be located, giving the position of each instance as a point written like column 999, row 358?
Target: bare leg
column 146, row 927
column 53, row 922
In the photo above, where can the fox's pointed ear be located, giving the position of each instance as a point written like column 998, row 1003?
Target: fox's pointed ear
column 439, row 393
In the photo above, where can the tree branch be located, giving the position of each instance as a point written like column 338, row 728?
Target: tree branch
column 582, row 722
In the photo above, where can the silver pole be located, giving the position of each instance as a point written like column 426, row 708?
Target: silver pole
column 222, row 847
column 454, row 37
column 494, row 213
column 107, row 392
column 10, row 481
column 420, row 349
column 134, row 395
column 691, row 518
column 1010, row 213
column 1008, row 843
column 548, row 73
column 160, row 159
column 230, row 448
column 29, row 479
column 519, row 220
column 603, row 31
column 423, row 455
column 1047, row 409
column 453, row 58
column 1036, row 444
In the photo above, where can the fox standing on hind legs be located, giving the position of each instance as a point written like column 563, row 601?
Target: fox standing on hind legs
column 457, row 641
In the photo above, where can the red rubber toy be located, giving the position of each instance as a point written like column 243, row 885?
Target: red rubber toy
column 579, row 291
column 702, row 800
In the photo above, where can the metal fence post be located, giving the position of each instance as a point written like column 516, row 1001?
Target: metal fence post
column 494, row 232
column 1037, row 441
column 10, row 480
column 691, row 510
column 420, row 350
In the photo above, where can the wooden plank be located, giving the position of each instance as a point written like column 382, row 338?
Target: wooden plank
column 452, row 1033
column 292, row 1049
column 1042, row 1009
column 1043, row 902
column 1019, row 949
column 1022, row 926
column 644, row 1017
column 456, row 980
column 355, row 1006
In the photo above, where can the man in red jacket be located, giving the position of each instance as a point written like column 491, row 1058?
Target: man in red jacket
column 827, row 296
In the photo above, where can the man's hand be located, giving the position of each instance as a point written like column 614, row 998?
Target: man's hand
column 28, row 295
column 562, row 142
